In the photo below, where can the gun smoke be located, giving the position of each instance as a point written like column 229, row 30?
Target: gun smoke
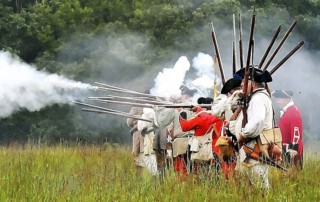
column 23, row 87
column 169, row 81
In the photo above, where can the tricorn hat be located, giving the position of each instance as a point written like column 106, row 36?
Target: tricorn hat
column 205, row 100
column 230, row 84
column 282, row 93
column 257, row 75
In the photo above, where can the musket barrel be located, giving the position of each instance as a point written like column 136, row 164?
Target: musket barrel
column 110, row 86
column 128, row 103
column 240, row 42
column 287, row 57
column 99, row 108
column 114, row 113
column 262, row 158
column 118, row 98
column 126, row 91
column 234, row 46
column 159, row 105
column 216, row 47
column 280, row 44
column 246, row 76
column 269, row 47
column 185, row 106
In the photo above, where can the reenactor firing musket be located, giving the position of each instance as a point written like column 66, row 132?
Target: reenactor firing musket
column 215, row 44
column 280, row 44
column 269, row 47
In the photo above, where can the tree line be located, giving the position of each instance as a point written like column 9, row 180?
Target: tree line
column 58, row 36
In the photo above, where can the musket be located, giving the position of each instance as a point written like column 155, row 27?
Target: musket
column 128, row 103
column 280, row 44
column 215, row 77
column 262, row 158
column 110, row 86
column 185, row 106
column 114, row 113
column 269, row 47
column 246, row 76
column 252, row 52
column 234, row 47
column 287, row 57
column 215, row 44
column 119, row 98
column 111, row 96
column 99, row 108
column 126, row 91
column 159, row 105
column 240, row 42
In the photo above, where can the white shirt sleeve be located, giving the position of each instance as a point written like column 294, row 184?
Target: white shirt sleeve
column 147, row 114
column 219, row 105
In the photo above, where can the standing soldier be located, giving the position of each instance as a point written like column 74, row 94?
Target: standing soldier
column 224, row 107
column 147, row 131
column 181, row 160
column 137, row 139
column 260, row 118
column 205, row 135
column 290, row 124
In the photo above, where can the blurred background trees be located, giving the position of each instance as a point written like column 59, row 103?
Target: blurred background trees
column 84, row 39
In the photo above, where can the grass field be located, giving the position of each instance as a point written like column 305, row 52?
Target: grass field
column 107, row 174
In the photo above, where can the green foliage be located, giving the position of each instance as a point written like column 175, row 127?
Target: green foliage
column 95, row 40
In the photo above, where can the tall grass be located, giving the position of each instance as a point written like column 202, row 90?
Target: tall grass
column 107, row 174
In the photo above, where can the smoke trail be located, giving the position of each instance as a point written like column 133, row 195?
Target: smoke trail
column 168, row 82
column 22, row 86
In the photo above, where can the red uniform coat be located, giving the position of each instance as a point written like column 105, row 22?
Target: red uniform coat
column 202, row 124
column 287, row 123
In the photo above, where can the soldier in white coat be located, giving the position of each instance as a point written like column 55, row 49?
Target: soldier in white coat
column 260, row 118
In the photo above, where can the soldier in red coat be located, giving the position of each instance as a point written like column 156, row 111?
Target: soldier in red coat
column 203, row 124
column 290, row 124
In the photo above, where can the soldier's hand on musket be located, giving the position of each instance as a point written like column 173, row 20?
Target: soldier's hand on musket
column 194, row 108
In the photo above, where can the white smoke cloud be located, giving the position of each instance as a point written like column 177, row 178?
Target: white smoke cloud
column 22, row 86
column 168, row 82
column 204, row 65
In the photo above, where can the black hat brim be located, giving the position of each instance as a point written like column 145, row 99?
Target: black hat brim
column 230, row 84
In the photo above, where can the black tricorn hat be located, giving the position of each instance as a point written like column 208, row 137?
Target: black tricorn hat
column 282, row 93
column 230, row 84
column 205, row 100
column 257, row 76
